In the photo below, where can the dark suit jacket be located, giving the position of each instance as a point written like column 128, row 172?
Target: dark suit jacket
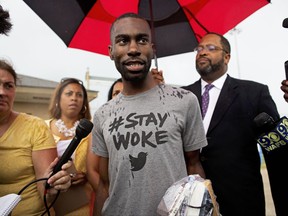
column 231, row 159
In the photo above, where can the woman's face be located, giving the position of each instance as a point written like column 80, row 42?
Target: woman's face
column 71, row 100
column 118, row 87
column 7, row 92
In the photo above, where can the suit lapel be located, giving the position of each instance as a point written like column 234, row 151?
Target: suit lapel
column 228, row 94
column 197, row 91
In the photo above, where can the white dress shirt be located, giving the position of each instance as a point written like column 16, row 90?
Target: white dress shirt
column 213, row 98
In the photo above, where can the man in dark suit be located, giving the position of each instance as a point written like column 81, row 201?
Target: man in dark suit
column 231, row 159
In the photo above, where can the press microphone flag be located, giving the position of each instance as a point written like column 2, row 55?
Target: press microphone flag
column 83, row 129
column 275, row 134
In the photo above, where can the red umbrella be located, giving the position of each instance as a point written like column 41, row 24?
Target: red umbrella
column 177, row 25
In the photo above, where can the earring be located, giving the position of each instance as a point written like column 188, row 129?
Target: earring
column 85, row 109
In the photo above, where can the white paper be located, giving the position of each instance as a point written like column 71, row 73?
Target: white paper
column 8, row 203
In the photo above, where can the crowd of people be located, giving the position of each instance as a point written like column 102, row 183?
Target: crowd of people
column 147, row 136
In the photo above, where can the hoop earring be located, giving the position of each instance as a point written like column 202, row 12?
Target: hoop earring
column 85, row 109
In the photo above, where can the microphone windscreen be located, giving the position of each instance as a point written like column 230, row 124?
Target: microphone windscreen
column 263, row 119
column 285, row 23
column 84, row 128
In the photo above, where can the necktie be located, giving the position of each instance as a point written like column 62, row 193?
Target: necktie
column 205, row 99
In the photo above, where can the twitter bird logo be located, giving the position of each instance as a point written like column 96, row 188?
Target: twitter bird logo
column 138, row 162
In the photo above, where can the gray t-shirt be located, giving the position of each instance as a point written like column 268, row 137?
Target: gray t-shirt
column 144, row 136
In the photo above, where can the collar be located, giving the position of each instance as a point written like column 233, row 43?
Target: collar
column 217, row 83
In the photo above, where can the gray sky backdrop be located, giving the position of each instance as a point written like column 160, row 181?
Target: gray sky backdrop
column 259, row 50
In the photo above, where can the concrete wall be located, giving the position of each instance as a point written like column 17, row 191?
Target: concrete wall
column 40, row 110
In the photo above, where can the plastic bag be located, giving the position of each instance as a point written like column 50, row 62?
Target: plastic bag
column 190, row 196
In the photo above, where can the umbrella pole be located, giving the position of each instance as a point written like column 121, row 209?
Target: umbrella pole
column 155, row 60
column 153, row 32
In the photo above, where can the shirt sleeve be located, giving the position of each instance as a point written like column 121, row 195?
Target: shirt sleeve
column 98, row 142
column 194, row 134
column 41, row 137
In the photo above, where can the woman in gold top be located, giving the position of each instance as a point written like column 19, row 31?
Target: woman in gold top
column 68, row 105
column 27, row 151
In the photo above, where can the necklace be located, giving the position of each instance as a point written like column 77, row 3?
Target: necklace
column 64, row 130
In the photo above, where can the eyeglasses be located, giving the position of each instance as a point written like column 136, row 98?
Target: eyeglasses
column 72, row 80
column 209, row 48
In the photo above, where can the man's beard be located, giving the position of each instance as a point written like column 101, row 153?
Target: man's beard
column 141, row 75
column 211, row 68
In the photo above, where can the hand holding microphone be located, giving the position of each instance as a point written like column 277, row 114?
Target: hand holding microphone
column 284, row 83
column 83, row 129
column 60, row 181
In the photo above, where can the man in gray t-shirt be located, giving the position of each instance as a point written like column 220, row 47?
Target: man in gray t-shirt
column 149, row 136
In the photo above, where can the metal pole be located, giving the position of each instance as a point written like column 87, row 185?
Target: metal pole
column 235, row 32
column 153, row 32
column 87, row 77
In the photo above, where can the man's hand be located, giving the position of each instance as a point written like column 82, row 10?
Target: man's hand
column 284, row 88
column 157, row 75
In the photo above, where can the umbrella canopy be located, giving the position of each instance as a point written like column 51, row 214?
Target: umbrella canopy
column 176, row 25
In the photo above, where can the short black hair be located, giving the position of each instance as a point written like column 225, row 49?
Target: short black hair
column 127, row 15
column 110, row 93
column 224, row 42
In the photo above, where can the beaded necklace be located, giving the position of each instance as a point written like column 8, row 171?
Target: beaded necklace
column 64, row 130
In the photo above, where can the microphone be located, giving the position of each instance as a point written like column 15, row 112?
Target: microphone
column 286, row 69
column 285, row 23
column 83, row 129
column 274, row 133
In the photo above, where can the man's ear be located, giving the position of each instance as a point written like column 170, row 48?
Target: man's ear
column 227, row 58
column 110, row 52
